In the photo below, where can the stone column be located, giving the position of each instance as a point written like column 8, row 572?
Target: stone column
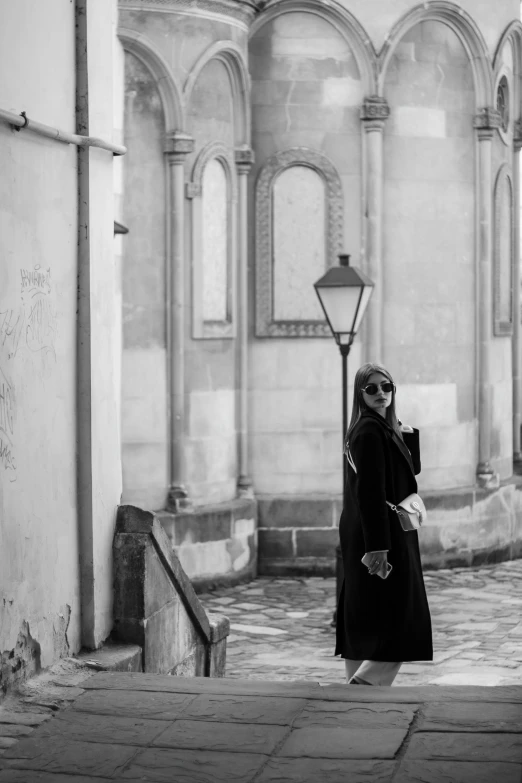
column 516, row 347
column 486, row 122
column 178, row 146
column 374, row 113
column 244, row 160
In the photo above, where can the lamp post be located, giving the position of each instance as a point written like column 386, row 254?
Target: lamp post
column 344, row 293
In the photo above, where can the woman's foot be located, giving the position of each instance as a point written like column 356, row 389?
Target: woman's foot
column 358, row 681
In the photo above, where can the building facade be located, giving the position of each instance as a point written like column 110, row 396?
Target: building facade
column 60, row 463
column 189, row 356
column 264, row 139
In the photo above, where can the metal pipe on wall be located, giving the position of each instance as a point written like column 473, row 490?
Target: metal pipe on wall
column 516, row 344
column 22, row 122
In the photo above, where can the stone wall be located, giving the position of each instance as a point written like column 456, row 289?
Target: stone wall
column 306, row 96
column 465, row 527
column 429, row 253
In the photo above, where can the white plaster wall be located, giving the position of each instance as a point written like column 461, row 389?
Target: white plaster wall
column 378, row 17
column 105, row 319
column 39, row 559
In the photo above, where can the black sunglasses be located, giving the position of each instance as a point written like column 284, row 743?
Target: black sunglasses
column 373, row 388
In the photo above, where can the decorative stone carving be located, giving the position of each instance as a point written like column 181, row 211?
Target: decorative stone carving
column 244, row 159
column 266, row 325
column 202, row 327
column 214, row 150
column 503, row 253
column 517, row 135
column 192, row 189
column 375, row 108
column 487, row 121
column 178, row 145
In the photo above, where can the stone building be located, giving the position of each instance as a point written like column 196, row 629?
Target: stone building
column 189, row 355
column 264, row 139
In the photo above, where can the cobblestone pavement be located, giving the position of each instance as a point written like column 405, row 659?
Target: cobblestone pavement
column 280, row 628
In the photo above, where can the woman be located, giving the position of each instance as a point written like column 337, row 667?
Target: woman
column 381, row 622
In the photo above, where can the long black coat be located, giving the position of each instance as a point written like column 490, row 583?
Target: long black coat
column 381, row 619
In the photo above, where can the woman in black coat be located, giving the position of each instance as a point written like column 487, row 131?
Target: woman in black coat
column 381, row 622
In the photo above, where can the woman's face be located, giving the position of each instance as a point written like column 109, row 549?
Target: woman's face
column 380, row 401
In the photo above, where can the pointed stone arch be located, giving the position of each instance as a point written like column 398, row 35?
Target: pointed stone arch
column 231, row 55
column 511, row 35
column 138, row 45
column 463, row 26
column 343, row 21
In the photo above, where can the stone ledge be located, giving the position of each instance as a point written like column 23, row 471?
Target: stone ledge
column 113, row 658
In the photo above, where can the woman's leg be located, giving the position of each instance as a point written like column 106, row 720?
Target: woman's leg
column 379, row 672
column 351, row 667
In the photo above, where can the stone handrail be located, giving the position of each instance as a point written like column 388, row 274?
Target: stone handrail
column 155, row 605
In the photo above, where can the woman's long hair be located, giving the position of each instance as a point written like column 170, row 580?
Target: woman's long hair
column 359, row 406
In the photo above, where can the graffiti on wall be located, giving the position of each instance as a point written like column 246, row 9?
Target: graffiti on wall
column 33, row 323
column 7, row 416
column 40, row 318
column 30, row 325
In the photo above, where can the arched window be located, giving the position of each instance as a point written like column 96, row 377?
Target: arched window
column 299, row 227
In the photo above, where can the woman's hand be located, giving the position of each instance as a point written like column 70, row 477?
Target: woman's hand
column 378, row 561
column 405, row 427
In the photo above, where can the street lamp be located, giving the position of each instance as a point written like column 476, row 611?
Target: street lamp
column 344, row 293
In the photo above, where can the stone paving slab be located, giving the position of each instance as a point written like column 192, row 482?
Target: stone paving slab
column 289, row 636
column 336, row 735
column 84, row 727
column 466, row 746
column 338, row 743
column 457, row 772
column 354, row 716
column 167, row 706
column 232, row 737
column 164, row 683
column 245, row 709
column 189, row 766
column 326, row 771
column 460, row 716
column 21, row 776
column 64, row 755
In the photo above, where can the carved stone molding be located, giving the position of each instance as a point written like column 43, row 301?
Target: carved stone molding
column 266, row 326
column 239, row 11
column 178, row 145
column 224, row 154
column 463, row 25
column 375, row 108
column 244, row 159
column 486, row 122
column 517, row 135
